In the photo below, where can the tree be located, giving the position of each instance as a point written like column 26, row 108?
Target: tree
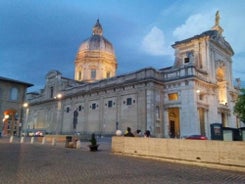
column 239, row 108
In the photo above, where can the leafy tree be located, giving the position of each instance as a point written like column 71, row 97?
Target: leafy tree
column 239, row 108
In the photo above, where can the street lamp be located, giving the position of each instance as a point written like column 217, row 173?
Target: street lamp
column 25, row 106
column 58, row 96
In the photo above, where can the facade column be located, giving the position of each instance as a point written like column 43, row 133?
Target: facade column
column 149, row 111
column 165, row 123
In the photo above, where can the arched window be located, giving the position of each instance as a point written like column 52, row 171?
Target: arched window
column 108, row 74
column 93, row 74
column 80, row 75
column 13, row 94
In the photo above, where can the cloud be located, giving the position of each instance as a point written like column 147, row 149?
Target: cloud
column 194, row 25
column 154, row 42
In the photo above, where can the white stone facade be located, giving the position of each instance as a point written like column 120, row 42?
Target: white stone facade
column 176, row 101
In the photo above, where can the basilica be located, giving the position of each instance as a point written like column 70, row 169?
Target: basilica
column 180, row 100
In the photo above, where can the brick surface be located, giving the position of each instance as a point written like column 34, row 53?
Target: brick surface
column 37, row 163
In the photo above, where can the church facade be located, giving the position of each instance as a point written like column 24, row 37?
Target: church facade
column 176, row 101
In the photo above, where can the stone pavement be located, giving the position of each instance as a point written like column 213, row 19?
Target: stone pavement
column 36, row 163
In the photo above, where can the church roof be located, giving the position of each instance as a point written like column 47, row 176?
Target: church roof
column 97, row 41
column 15, row 81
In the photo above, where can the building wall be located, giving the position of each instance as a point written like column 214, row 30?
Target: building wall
column 176, row 101
column 217, row 154
column 105, row 111
column 150, row 107
column 12, row 98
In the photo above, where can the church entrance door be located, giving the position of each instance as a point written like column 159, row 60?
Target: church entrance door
column 174, row 127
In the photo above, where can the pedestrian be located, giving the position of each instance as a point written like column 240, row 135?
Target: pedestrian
column 129, row 133
column 147, row 133
column 138, row 133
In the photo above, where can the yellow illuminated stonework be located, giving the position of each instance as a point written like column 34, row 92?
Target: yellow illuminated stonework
column 173, row 96
column 95, row 58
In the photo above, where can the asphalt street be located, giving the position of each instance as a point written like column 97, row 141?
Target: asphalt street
column 37, row 163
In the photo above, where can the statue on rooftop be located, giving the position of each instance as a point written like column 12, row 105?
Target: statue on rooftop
column 217, row 18
column 216, row 25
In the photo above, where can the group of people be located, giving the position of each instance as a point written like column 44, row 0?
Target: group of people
column 137, row 133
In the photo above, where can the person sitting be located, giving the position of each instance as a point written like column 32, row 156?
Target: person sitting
column 138, row 133
column 147, row 133
column 129, row 133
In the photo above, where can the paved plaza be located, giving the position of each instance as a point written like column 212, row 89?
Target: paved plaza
column 36, row 163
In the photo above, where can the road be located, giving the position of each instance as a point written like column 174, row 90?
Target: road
column 36, row 163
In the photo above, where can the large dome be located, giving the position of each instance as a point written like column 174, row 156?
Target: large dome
column 97, row 41
column 95, row 59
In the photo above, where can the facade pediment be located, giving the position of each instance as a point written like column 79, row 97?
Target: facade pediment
column 53, row 74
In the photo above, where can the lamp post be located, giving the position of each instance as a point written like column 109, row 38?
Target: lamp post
column 26, row 107
column 58, row 97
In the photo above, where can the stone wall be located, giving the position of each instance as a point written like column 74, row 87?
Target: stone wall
column 218, row 154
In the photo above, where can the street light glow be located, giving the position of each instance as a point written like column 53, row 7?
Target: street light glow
column 25, row 105
column 59, row 95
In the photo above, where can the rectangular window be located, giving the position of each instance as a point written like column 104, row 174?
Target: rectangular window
column 173, row 96
column 201, row 96
column 186, row 60
column 51, row 92
column 157, row 112
column 94, row 106
column 93, row 74
column 109, row 103
column 189, row 57
column 129, row 101
column 14, row 94
column 67, row 109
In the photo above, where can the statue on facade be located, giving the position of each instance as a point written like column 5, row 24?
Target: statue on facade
column 75, row 115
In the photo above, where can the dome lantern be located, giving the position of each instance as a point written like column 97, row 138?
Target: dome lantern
column 97, row 29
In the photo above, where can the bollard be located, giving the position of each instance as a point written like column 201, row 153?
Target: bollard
column 78, row 144
column 43, row 140
column 53, row 141
column 22, row 139
column 32, row 140
column 11, row 139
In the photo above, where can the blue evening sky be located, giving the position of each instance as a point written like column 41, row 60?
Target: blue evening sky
column 37, row 36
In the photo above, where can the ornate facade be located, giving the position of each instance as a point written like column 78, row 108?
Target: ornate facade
column 180, row 100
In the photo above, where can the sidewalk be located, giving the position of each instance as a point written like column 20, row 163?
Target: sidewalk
column 25, row 163
column 104, row 143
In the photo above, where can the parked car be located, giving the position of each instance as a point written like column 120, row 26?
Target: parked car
column 197, row 137
column 39, row 134
column 34, row 133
